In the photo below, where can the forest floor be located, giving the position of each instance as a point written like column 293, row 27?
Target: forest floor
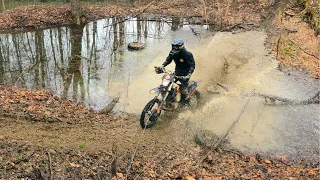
column 46, row 137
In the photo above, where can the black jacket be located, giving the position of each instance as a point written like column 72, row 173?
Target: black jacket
column 184, row 62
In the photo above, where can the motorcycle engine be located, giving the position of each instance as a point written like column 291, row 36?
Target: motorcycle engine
column 171, row 104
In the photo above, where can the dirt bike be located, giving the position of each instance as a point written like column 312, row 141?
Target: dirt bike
column 168, row 98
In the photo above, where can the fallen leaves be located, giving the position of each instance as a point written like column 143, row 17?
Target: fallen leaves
column 45, row 16
column 298, row 49
column 34, row 17
column 27, row 161
column 42, row 105
column 74, row 165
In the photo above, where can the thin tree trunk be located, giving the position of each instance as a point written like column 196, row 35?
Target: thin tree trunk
column 43, row 58
column 3, row 6
column 74, row 66
column 77, row 11
column 16, row 43
column 36, row 60
column 2, row 65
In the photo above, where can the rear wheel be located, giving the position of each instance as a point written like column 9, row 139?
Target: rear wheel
column 194, row 100
column 149, row 115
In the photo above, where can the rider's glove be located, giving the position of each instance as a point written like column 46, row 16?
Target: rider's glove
column 159, row 69
column 188, row 76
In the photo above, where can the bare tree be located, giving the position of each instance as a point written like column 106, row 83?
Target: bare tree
column 3, row 6
column 77, row 11
column 74, row 67
column 2, row 65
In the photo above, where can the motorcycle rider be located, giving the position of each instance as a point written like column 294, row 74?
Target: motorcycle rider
column 185, row 64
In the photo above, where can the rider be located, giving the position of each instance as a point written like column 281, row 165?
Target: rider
column 185, row 64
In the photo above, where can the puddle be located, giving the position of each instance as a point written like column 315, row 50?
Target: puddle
column 90, row 65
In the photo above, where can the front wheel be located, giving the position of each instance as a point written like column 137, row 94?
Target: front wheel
column 150, row 114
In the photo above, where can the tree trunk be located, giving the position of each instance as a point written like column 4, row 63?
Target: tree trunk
column 77, row 11
column 3, row 6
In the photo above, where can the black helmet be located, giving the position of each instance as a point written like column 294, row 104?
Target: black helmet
column 177, row 44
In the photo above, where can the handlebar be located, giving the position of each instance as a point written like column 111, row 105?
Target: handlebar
column 163, row 69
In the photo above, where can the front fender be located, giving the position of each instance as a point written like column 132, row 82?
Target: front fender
column 156, row 90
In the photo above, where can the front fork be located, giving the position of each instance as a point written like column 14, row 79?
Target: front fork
column 164, row 98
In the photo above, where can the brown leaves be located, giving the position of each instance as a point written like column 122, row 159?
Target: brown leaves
column 44, row 16
column 22, row 160
column 298, row 46
column 34, row 17
column 42, row 105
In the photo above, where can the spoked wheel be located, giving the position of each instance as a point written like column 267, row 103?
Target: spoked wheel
column 194, row 100
column 149, row 115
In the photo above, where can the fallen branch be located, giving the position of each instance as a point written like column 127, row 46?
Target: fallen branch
column 19, row 146
column 223, row 87
column 303, row 50
column 220, row 140
column 114, row 160
column 194, row 31
column 212, row 91
column 24, row 159
column 171, row 6
column 233, row 151
column 217, row 144
column 278, row 45
column 83, row 57
column 290, row 13
column 110, row 106
column 50, row 165
column 314, row 100
column 239, row 25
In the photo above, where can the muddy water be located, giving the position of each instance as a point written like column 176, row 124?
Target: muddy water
column 137, row 92
column 242, row 64
column 90, row 64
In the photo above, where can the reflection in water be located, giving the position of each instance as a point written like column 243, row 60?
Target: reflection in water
column 74, row 66
column 88, row 64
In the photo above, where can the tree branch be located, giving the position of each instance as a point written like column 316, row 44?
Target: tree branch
column 223, row 136
column 303, row 50
column 50, row 165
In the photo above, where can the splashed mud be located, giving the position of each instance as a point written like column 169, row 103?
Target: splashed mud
column 242, row 64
